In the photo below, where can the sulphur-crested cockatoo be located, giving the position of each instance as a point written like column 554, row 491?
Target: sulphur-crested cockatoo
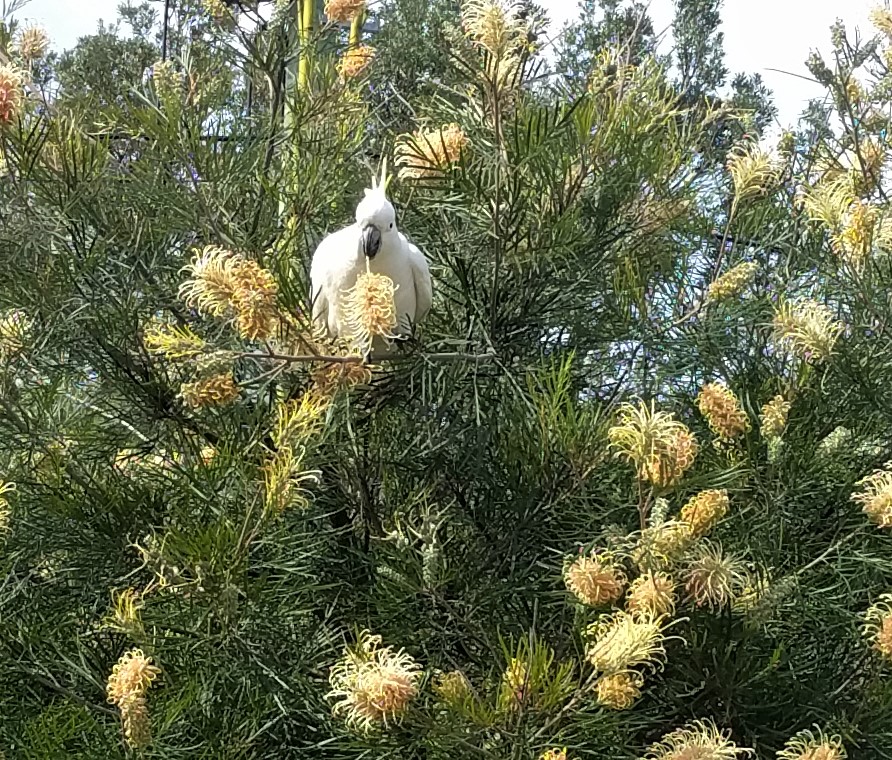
column 373, row 240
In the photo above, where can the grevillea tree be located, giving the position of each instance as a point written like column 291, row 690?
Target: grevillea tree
column 625, row 493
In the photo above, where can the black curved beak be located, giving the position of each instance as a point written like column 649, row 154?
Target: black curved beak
column 371, row 240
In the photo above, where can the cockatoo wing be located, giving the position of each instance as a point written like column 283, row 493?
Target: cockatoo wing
column 333, row 269
column 421, row 274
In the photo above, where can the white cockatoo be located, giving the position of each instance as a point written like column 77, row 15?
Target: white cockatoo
column 372, row 241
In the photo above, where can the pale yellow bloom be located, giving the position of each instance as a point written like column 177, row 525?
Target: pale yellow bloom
column 168, row 83
column 875, row 496
column 496, row 27
column 808, row 328
column 128, row 683
column 373, row 684
column 854, row 241
column 427, row 153
column 700, row 740
column 15, row 326
column 878, row 626
column 713, row 579
column 752, row 171
column 829, row 201
column 284, row 477
column 651, row 595
column 355, row 61
column 881, row 18
column 33, row 43
column 622, row 641
column 216, row 9
column 554, row 754
column 660, row 447
column 595, row 580
column 126, row 613
column 5, row 512
column 806, row 746
column 222, row 282
column 661, row 543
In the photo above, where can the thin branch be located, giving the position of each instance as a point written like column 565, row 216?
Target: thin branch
column 327, row 359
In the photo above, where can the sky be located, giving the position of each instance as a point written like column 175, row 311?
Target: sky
column 764, row 36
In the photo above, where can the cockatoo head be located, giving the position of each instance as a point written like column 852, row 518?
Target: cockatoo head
column 376, row 217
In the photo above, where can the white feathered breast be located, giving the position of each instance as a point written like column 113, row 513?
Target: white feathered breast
column 339, row 260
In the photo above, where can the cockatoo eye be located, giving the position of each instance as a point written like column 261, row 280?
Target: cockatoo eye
column 391, row 225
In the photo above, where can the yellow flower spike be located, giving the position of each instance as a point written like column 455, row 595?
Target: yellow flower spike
column 254, row 301
column 216, row 9
column 329, row 378
column 651, row 595
column 619, row 691
column 704, row 510
column 168, row 83
column 881, row 18
column 126, row 614
column 854, row 241
column 594, row 580
column 355, row 61
column 216, row 390
column 829, row 201
column 699, row 740
column 12, row 96
column 222, row 283
column 661, row 544
column 733, row 282
column 370, row 310
column 452, row 688
column 807, row 746
column 342, row 11
column 5, row 512
column 15, row 327
column 723, row 411
column 773, row 419
column 875, row 496
column 497, row 28
column 374, row 685
column 300, row 419
column 127, row 685
column 172, row 341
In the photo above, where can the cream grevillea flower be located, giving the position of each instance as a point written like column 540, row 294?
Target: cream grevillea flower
column 373, row 684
